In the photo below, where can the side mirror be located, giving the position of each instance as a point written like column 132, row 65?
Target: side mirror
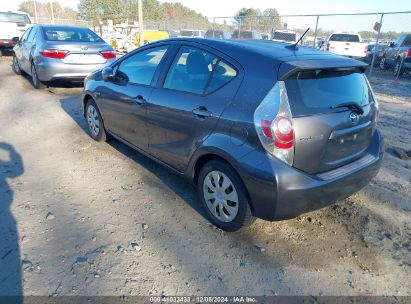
column 392, row 44
column 107, row 74
column 16, row 40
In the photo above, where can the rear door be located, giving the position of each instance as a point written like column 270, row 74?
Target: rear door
column 334, row 117
column 21, row 53
column 123, row 101
column 186, row 106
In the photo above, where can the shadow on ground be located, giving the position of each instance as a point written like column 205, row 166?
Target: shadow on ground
column 11, row 166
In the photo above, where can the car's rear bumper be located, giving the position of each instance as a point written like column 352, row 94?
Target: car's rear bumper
column 55, row 69
column 279, row 192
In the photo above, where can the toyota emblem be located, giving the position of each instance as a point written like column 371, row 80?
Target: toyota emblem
column 354, row 118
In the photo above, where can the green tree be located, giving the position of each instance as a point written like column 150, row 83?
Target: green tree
column 99, row 10
column 254, row 19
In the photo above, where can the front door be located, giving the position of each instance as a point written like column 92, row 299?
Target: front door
column 123, row 100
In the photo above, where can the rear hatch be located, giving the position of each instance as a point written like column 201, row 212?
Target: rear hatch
column 334, row 114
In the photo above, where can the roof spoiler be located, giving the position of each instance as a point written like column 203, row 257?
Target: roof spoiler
column 289, row 68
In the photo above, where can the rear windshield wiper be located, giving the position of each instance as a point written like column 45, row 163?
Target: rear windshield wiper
column 351, row 105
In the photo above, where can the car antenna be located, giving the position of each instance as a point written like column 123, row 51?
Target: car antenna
column 294, row 46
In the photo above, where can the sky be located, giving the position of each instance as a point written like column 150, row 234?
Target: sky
column 224, row 8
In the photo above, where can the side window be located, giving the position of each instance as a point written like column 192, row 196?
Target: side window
column 25, row 35
column 190, row 70
column 407, row 41
column 32, row 35
column 140, row 68
column 223, row 74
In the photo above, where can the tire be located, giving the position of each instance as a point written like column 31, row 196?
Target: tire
column 15, row 65
column 382, row 64
column 35, row 81
column 228, row 215
column 95, row 122
column 398, row 69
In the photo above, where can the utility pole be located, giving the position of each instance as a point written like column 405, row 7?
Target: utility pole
column 52, row 12
column 35, row 11
column 376, row 47
column 140, row 22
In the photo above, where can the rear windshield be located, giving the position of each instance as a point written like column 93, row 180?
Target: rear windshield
column 70, row 34
column 214, row 34
column 244, row 35
column 284, row 36
column 188, row 33
column 345, row 38
column 316, row 91
column 14, row 18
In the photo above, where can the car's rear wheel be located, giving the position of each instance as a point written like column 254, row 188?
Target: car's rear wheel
column 37, row 84
column 398, row 69
column 95, row 122
column 15, row 65
column 224, row 196
column 382, row 64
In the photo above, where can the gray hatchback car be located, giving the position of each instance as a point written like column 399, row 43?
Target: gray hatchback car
column 54, row 52
column 263, row 129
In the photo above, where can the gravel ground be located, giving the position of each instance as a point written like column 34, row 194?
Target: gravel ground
column 83, row 218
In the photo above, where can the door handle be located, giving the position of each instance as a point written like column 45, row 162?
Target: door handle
column 140, row 100
column 202, row 112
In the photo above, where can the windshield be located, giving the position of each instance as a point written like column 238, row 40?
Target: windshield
column 13, row 17
column 318, row 90
column 244, row 35
column 284, row 36
column 70, row 34
column 345, row 38
column 188, row 33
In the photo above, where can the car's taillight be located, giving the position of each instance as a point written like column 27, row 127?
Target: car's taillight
column 327, row 47
column 274, row 124
column 376, row 104
column 53, row 53
column 366, row 49
column 108, row 54
column 408, row 54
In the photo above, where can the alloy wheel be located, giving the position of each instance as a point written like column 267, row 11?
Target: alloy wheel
column 93, row 120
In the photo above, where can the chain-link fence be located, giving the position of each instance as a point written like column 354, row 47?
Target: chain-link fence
column 379, row 31
column 379, row 34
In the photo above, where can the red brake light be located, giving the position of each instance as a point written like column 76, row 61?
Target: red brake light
column 274, row 125
column 408, row 54
column 108, row 54
column 327, row 47
column 53, row 53
column 366, row 49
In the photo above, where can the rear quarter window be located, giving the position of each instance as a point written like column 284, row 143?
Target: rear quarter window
column 316, row 91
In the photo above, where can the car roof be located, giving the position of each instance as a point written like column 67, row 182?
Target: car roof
column 267, row 48
column 59, row 26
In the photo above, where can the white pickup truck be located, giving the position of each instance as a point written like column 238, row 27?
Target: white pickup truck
column 345, row 44
column 12, row 24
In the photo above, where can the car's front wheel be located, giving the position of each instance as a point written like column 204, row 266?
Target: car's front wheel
column 382, row 64
column 37, row 84
column 398, row 69
column 95, row 122
column 224, row 197
column 15, row 65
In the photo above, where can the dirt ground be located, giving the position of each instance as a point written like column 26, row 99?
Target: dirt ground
column 83, row 218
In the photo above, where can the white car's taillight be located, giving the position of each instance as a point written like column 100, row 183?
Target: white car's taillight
column 274, row 124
